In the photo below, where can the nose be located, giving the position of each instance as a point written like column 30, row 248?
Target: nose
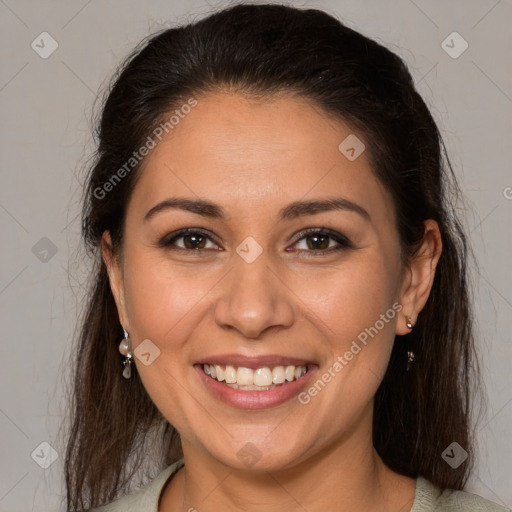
column 254, row 298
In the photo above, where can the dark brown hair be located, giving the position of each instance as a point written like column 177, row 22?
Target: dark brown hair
column 260, row 50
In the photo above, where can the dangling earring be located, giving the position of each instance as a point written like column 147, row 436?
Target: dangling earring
column 410, row 354
column 124, row 349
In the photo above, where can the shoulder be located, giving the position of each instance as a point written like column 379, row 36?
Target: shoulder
column 430, row 498
column 145, row 499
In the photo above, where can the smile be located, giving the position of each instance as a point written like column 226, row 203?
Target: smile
column 262, row 379
column 255, row 382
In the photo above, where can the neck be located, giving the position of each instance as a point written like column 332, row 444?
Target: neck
column 346, row 477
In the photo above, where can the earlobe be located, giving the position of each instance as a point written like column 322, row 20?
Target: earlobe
column 419, row 277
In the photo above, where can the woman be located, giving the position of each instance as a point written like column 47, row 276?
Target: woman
column 280, row 266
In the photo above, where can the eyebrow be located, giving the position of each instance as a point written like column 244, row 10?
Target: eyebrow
column 289, row 212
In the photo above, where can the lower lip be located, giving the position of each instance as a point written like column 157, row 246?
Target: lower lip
column 256, row 399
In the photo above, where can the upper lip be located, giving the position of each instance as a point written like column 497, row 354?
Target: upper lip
column 269, row 360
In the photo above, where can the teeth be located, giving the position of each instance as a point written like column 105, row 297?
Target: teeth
column 244, row 377
column 248, row 379
column 230, row 375
column 252, row 388
column 290, row 373
column 220, row 373
column 278, row 375
column 262, row 377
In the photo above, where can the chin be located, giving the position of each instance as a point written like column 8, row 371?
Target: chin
column 254, row 455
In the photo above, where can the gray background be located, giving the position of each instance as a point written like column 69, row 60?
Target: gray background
column 46, row 107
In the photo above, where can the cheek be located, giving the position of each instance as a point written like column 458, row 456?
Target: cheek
column 358, row 310
column 164, row 305
column 349, row 298
column 161, row 298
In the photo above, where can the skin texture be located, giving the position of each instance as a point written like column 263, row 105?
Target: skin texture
column 253, row 158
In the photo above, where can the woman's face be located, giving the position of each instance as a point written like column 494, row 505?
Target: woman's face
column 260, row 293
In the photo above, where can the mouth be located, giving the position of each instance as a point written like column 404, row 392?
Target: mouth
column 264, row 378
column 255, row 383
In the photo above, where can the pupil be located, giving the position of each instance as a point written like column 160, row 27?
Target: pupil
column 316, row 238
column 194, row 239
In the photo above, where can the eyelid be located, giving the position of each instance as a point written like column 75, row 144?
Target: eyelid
column 338, row 237
column 343, row 242
column 165, row 242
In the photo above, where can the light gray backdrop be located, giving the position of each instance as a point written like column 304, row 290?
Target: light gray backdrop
column 46, row 101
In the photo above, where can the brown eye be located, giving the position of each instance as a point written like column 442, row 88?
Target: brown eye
column 320, row 241
column 193, row 240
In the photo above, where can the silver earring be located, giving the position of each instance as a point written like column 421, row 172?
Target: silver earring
column 410, row 360
column 124, row 349
column 410, row 354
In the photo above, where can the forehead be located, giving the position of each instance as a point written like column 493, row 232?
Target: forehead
column 240, row 152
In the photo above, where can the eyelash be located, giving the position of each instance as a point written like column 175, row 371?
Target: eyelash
column 343, row 242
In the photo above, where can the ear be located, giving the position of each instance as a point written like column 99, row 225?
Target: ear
column 419, row 276
column 115, row 275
